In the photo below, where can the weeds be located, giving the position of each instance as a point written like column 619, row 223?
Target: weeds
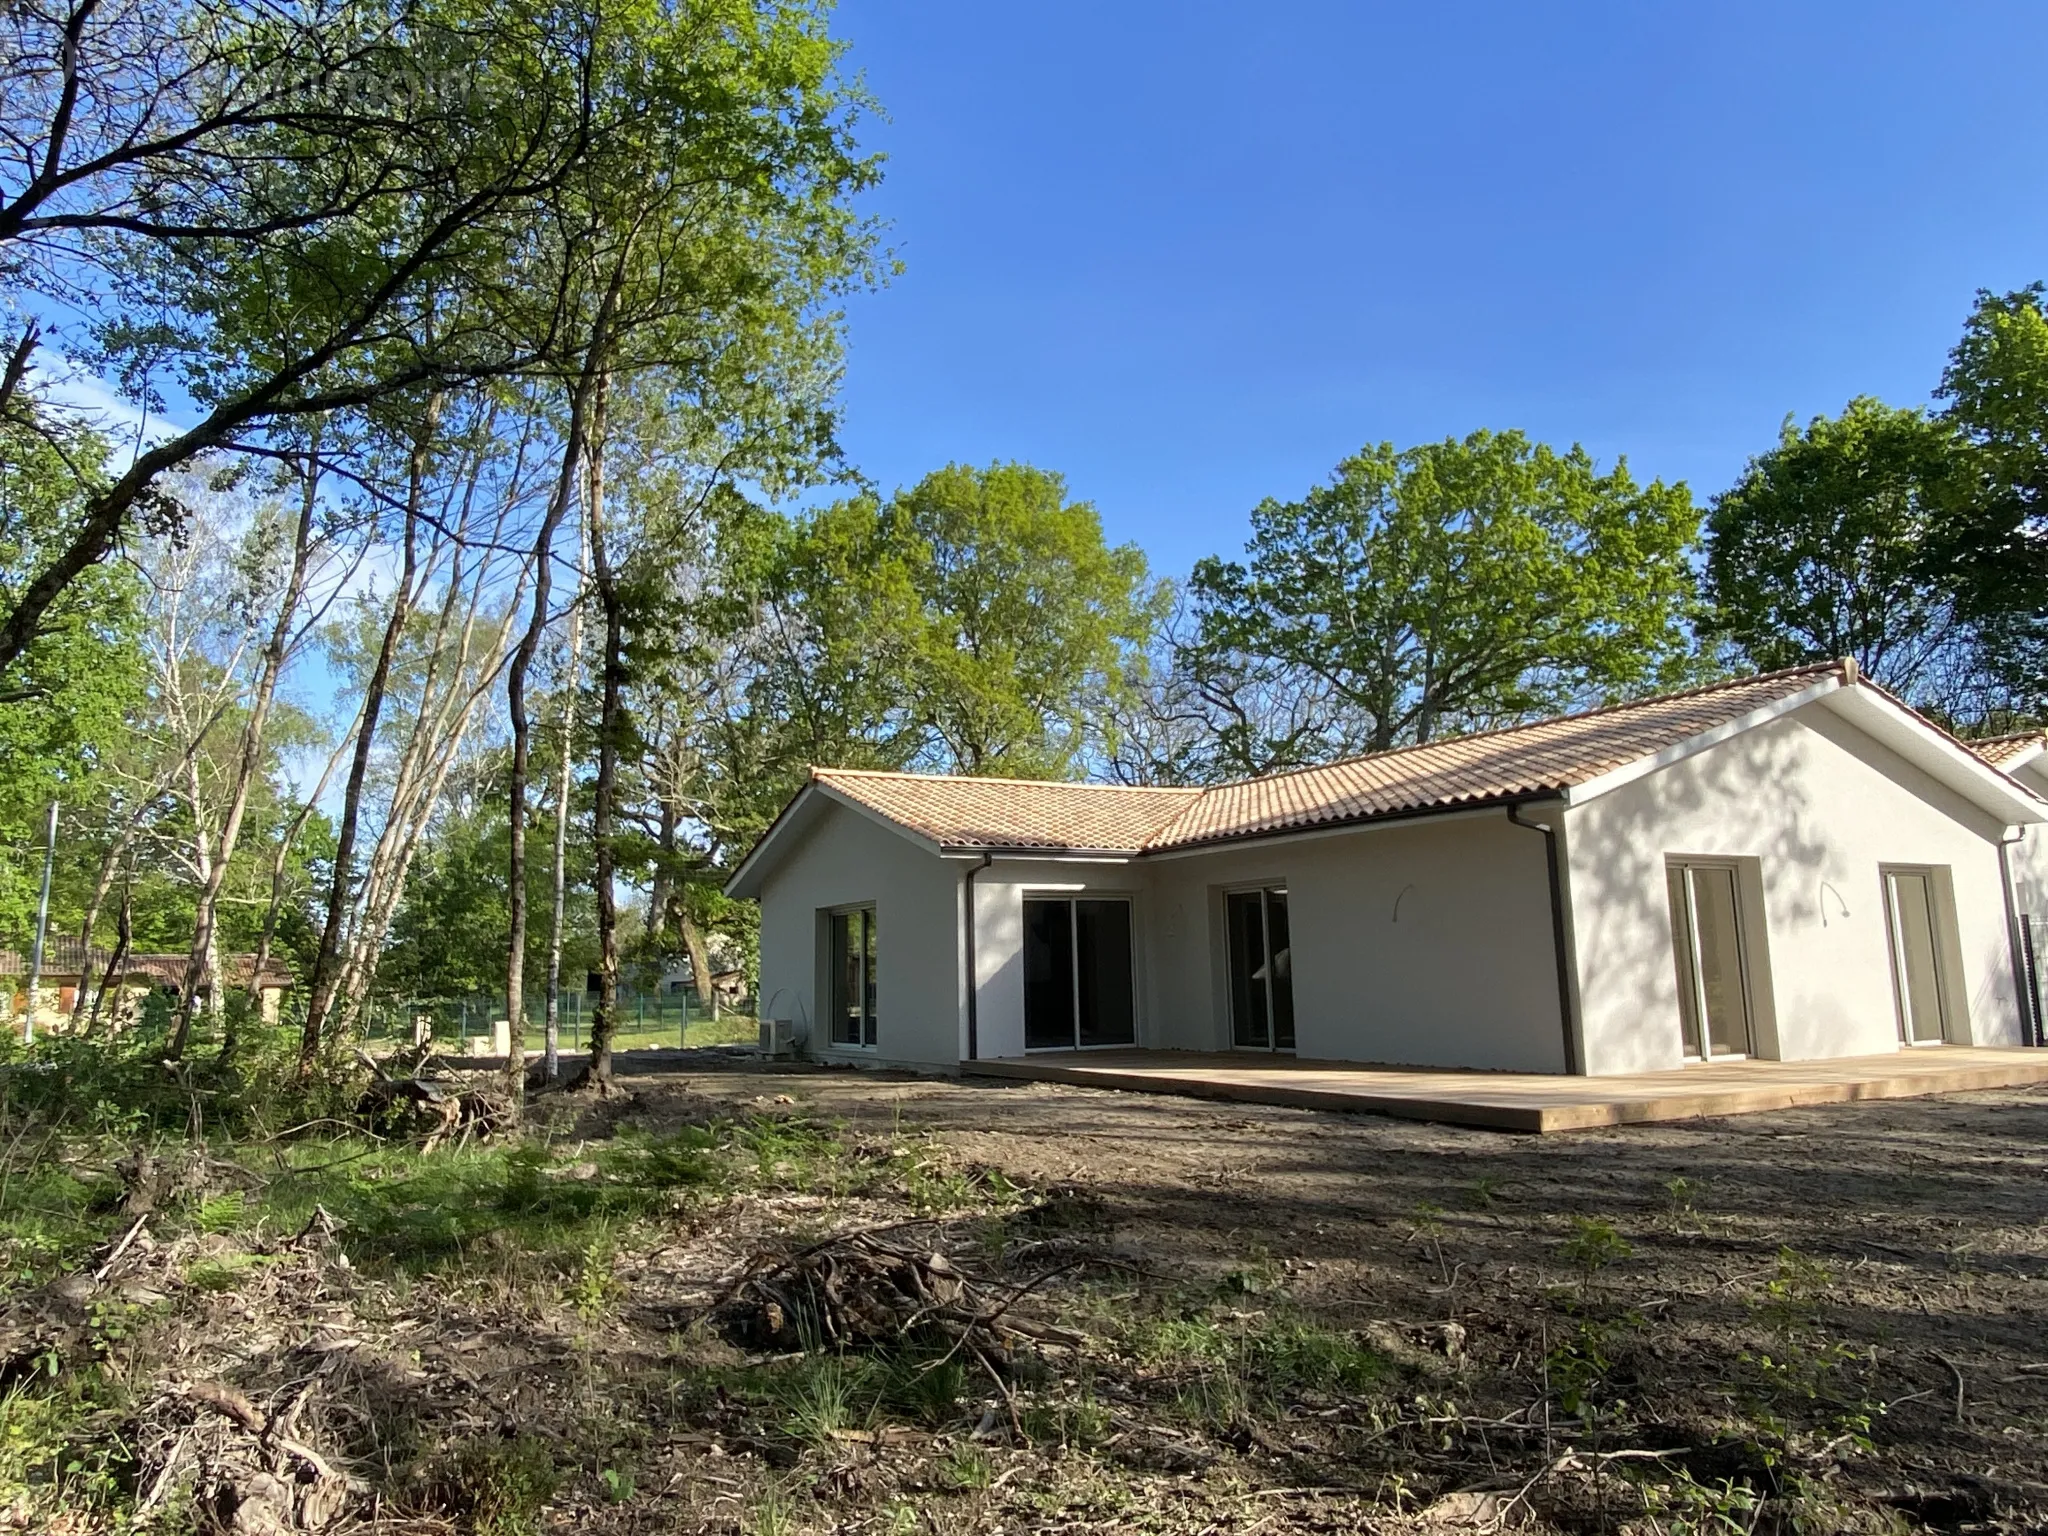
column 1593, row 1246
column 52, row 1456
column 966, row 1469
column 500, row 1486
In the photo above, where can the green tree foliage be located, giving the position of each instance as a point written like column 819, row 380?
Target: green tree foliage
column 1996, row 386
column 65, row 702
column 1022, row 614
column 1451, row 586
column 448, row 938
column 280, row 213
column 1826, row 547
column 974, row 622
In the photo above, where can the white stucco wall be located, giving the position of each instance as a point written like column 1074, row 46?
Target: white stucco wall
column 1818, row 806
column 1423, row 944
column 2029, row 856
column 2028, row 860
column 999, row 892
column 842, row 859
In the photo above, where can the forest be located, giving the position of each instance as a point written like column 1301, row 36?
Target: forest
column 428, row 560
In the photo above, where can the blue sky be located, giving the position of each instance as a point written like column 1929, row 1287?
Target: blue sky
column 1191, row 254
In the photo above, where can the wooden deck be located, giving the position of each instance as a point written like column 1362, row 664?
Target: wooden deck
column 1529, row 1101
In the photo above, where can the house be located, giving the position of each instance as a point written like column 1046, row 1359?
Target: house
column 1793, row 866
column 141, row 974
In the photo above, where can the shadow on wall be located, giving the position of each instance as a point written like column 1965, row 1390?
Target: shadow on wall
column 1750, row 798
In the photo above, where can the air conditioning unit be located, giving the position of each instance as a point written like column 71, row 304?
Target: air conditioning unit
column 779, row 1039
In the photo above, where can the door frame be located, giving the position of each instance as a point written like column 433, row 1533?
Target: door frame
column 1683, row 865
column 1246, row 888
column 1939, row 921
column 1070, row 896
column 868, row 975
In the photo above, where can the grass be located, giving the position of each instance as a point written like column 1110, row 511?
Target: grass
column 539, row 1220
column 398, row 1211
column 1224, row 1367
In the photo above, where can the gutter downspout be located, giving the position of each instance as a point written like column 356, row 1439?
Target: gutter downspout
column 2023, row 992
column 973, row 979
column 1564, row 964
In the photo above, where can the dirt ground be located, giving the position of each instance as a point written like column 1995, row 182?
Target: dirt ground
column 1113, row 1313
column 1900, row 1247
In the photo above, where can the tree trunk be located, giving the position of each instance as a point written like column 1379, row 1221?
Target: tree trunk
column 124, row 935
column 522, row 736
column 577, row 446
column 604, row 1018
column 565, row 769
column 322, row 986
column 202, row 861
column 700, row 956
column 103, row 882
column 661, row 891
column 204, row 961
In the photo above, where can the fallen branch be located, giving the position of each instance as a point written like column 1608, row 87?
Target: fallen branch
column 1957, row 1372
column 134, row 1230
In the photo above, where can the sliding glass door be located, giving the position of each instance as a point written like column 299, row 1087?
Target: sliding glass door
column 1706, row 931
column 1916, row 957
column 853, row 978
column 1261, row 969
column 1078, row 989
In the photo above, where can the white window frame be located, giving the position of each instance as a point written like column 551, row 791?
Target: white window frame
column 1683, row 865
column 1938, row 922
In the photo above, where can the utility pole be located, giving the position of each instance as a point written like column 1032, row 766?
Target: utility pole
column 35, row 959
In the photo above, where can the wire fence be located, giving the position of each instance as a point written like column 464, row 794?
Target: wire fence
column 647, row 1020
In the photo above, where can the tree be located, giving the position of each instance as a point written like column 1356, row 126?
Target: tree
column 1824, row 548
column 700, row 241
column 1451, row 586
column 1190, row 714
column 276, row 212
column 975, row 623
column 1023, row 612
column 1996, row 542
column 65, row 709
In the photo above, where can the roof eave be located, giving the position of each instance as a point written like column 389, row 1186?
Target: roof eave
column 1642, row 767
column 1029, row 851
column 1920, row 742
column 1530, row 794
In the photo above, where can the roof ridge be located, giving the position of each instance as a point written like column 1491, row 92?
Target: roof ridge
column 1696, row 691
column 818, row 771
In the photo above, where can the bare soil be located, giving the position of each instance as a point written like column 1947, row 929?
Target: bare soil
column 1904, row 1241
column 1194, row 1319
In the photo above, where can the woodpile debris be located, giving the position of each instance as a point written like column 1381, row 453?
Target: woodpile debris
column 427, row 1104
column 861, row 1291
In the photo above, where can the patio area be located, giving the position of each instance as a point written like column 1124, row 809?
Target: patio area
column 1527, row 1101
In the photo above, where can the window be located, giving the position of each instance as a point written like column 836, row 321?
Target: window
column 853, row 977
column 1077, row 973
column 1261, row 970
column 1706, row 934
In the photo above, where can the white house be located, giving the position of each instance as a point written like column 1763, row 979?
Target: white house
column 1791, row 866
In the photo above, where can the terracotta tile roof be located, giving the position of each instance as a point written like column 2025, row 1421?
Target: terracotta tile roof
column 1544, row 758
column 61, row 957
column 2002, row 751
column 1013, row 813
